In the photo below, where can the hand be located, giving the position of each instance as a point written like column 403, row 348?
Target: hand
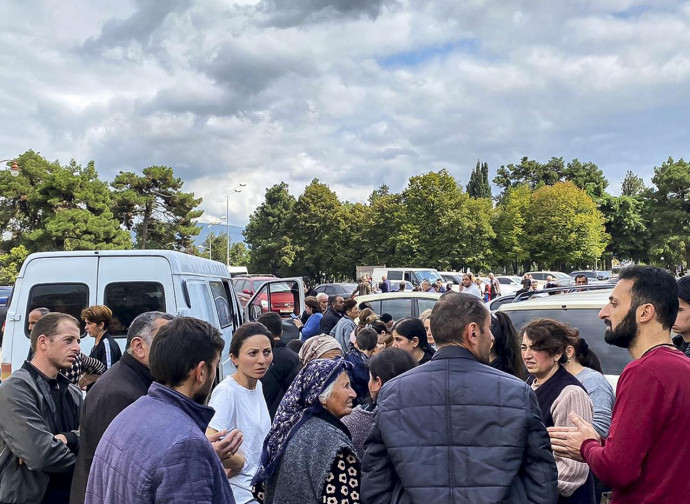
column 566, row 441
column 227, row 447
column 297, row 322
column 61, row 437
column 87, row 379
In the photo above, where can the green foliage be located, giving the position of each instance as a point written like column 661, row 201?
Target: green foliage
column 479, row 186
column 586, row 176
column 564, row 226
column 628, row 226
column 54, row 207
column 670, row 213
column 271, row 250
column 11, row 263
column 154, row 206
column 510, row 244
column 215, row 247
column 632, row 185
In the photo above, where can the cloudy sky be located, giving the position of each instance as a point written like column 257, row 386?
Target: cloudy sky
column 354, row 92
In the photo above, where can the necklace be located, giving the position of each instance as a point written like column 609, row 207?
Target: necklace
column 657, row 346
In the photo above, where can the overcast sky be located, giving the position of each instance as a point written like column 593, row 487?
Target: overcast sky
column 354, row 92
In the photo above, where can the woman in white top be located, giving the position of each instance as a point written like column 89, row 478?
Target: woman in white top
column 239, row 403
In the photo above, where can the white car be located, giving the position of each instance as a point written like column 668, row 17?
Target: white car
column 400, row 304
column 509, row 284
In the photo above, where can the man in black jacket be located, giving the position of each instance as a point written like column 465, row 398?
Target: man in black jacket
column 285, row 364
column 333, row 314
column 125, row 382
column 478, row 431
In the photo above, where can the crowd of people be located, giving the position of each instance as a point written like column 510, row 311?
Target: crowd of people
column 454, row 406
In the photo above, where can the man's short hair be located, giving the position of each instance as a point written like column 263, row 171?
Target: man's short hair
column 142, row 326
column 452, row 313
column 321, row 295
column 273, row 323
column 332, row 298
column 654, row 286
column 684, row 288
column 386, row 317
column 180, row 346
column 48, row 325
column 367, row 339
column 42, row 310
column 582, row 276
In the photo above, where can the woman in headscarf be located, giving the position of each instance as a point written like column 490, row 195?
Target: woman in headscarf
column 319, row 347
column 308, row 455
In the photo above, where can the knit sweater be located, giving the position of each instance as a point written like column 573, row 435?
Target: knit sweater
column 644, row 458
column 359, row 424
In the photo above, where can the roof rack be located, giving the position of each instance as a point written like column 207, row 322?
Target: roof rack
column 563, row 290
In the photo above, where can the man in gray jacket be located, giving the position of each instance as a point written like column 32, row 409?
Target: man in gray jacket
column 455, row 429
column 39, row 417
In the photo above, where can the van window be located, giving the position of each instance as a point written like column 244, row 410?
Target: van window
column 424, row 304
column 129, row 299
column 220, row 298
column 69, row 298
column 613, row 359
column 395, row 276
column 398, row 308
column 202, row 304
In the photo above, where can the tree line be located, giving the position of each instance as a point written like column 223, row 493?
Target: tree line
column 547, row 215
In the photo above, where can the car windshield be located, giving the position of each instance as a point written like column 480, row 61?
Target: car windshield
column 560, row 275
column 346, row 288
column 429, row 275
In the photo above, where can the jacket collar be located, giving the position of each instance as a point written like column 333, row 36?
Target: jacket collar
column 141, row 370
column 453, row 352
column 200, row 414
column 36, row 374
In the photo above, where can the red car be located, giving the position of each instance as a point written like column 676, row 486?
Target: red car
column 282, row 297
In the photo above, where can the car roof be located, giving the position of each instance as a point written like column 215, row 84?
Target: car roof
column 394, row 295
column 585, row 299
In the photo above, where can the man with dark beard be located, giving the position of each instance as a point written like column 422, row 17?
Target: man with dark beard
column 156, row 450
column 644, row 457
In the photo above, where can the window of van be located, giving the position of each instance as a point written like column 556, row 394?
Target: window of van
column 69, row 298
column 395, row 276
column 220, row 298
column 129, row 299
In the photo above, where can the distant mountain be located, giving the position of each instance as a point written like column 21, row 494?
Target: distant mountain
column 217, row 229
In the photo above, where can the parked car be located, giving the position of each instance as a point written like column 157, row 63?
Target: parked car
column 541, row 276
column 400, row 304
column 580, row 310
column 413, row 275
column 509, row 284
column 395, row 287
column 592, row 275
column 336, row 289
column 282, row 294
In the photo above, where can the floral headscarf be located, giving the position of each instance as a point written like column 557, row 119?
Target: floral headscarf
column 301, row 402
column 316, row 346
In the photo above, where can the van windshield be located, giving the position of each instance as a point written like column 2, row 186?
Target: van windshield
column 430, row 275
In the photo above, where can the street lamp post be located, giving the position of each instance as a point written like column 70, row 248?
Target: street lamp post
column 227, row 221
column 14, row 167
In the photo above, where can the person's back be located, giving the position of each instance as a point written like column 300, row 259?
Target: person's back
column 456, row 430
column 474, row 413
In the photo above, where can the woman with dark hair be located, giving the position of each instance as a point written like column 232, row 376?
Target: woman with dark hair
column 409, row 335
column 387, row 364
column 312, row 326
column 105, row 349
column 385, row 340
column 308, row 456
column 544, row 343
column 505, row 351
column 239, row 403
column 582, row 363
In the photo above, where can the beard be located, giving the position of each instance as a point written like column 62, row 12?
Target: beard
column 625, row 333
column 202, row 395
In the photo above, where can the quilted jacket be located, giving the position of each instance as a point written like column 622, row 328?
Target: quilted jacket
column 156, row 451
column 457, row 431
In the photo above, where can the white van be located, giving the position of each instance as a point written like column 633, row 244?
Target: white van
column 129, row 282
column 413, row 275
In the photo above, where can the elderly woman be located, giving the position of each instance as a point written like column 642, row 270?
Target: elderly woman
column 319, row 347
column 308, row 455
column 544, row 343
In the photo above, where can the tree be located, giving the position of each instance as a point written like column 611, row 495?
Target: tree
column 670, row 211
column 271, row 249
column 632, row 185
column 586, row 176
column 54, row 207
column 530, row 172
column 564, row 227
column 154, row 206
column 478, row 186
column 628, row 226
column 11, row 263
column 510, row 243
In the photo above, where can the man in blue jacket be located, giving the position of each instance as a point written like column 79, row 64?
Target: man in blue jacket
column 156, row 449
column 455, row 429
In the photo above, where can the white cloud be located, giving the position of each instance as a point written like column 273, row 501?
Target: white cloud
column 355, row 93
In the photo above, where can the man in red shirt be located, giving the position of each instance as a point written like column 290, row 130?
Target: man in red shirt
column 644, row 457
